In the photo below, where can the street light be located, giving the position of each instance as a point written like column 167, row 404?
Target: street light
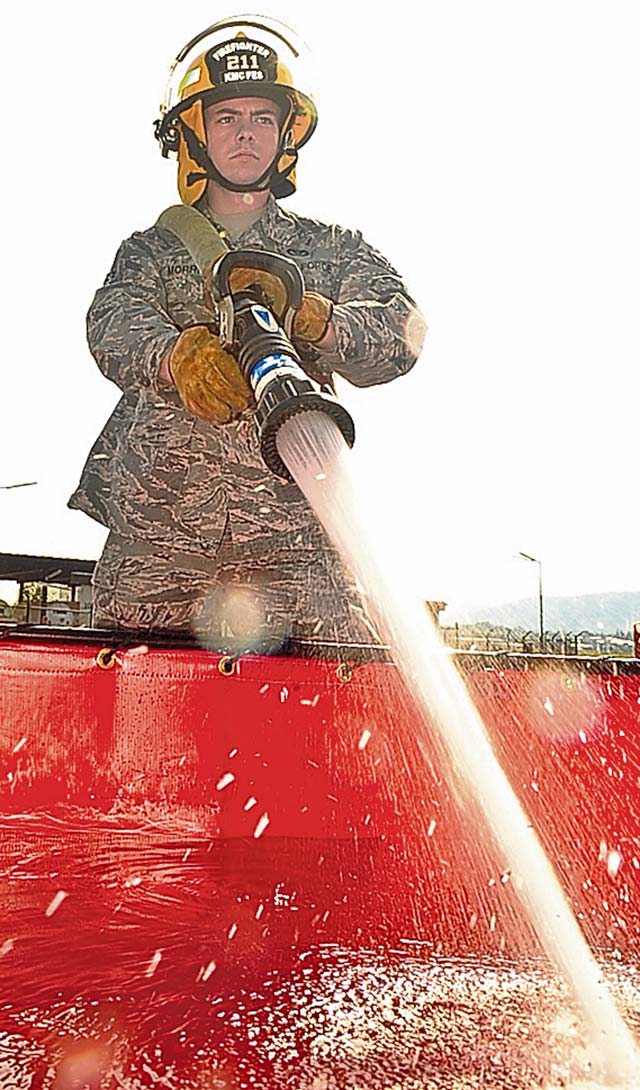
column 525, row 556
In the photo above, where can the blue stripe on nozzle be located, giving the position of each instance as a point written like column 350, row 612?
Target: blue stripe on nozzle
column 270, row 363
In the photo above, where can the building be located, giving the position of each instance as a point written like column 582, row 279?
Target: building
column 51, row 589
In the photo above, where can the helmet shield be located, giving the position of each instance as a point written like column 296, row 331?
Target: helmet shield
column 241, row 61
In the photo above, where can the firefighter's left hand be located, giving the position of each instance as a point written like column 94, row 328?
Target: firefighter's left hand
column 312, row 319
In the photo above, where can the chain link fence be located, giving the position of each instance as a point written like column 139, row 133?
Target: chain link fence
column 498, row 638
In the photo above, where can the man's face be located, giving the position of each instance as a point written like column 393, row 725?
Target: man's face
column 242, row 137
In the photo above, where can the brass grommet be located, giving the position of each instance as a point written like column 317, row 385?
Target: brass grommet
column 227, row 665
column 344, row 672
column 106, row 658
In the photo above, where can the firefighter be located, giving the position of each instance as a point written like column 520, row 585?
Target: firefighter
column 202, row 536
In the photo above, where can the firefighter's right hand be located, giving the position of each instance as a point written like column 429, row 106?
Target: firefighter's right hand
column 207, row 377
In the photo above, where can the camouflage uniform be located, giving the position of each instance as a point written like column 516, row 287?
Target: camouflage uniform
column 192, row 507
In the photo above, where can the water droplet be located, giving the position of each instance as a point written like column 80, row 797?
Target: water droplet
column 261, row 826
column 614, row 862
column 211, row 968
column 54, row 905
column 153, row 964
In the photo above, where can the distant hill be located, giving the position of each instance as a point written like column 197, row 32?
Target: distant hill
column 611, row 612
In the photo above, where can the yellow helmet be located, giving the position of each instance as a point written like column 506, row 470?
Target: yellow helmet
column 245, row 56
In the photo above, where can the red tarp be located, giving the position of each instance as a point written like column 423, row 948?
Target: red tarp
column 164, row 824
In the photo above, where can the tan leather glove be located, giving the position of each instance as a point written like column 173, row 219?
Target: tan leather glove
column 207, row 378
column 312, row 317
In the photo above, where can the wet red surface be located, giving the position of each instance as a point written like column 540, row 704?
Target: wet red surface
column 173, row 837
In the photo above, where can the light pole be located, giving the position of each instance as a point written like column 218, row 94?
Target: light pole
column 525, row 556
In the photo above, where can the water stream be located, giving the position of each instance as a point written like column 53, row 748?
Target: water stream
column 313, row 449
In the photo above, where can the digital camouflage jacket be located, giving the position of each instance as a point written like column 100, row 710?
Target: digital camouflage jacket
column 157, row 473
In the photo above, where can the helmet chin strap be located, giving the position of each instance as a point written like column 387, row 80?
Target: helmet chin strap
column 200, row 155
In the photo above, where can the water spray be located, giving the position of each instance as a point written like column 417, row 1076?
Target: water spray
column 317, row 457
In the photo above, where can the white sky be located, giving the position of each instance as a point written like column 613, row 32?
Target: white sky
column 490, row 150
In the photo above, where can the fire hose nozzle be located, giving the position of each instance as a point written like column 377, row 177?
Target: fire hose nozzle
column 268, row 359
column 290, row 392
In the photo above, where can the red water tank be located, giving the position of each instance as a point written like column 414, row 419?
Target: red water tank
column 198, row 855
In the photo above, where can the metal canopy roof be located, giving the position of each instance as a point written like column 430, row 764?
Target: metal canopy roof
column 45, row 569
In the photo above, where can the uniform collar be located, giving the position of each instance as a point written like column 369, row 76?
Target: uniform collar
column 272, row 219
